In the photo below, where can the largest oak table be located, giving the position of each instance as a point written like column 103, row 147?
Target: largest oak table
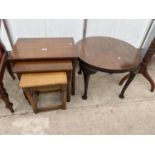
column 45, row 49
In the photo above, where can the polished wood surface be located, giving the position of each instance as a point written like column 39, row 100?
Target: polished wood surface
column 42, row 66
column 43, row 48
column 42, row 79
column 108, row 53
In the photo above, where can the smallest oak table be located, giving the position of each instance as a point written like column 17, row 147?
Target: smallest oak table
column 106, row 54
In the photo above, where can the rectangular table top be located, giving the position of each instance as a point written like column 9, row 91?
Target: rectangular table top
column 30, row 80
column 43, row 48
column 42, row 66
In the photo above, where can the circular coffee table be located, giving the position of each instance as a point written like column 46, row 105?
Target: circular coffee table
column 106, row 54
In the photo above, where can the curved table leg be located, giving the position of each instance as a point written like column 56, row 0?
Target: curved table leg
column 87, row 71
column 148, row 77
column 130, row 79
column 86, row 82
column 5, row 98
column 123, row 79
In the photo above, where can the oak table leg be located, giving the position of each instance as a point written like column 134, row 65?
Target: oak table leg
column 68, row 86
column 63, row 97
column 86, row 82
column 87, row 71
column 31, row 100
column 73, row 76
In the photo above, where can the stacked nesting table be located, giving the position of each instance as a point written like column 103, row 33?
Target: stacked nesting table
column 31, row 55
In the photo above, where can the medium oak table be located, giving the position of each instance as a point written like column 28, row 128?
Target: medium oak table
column 105, row 54
column 21, row 67
column 44, row 49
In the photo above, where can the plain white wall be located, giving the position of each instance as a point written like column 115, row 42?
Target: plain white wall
column 3, row 37
column 46, row 28
column 130, row 30
column 29, row 28
column 150, row 36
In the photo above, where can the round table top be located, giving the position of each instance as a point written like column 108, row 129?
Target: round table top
column 108, row 53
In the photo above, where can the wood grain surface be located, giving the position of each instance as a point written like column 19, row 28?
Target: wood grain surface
column 108, row 53
column 43, row 48
column 42, row 66
column 29, row 80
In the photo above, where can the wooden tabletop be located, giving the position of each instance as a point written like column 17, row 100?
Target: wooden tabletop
column 42, row 66
column 43, row 48
column 108, row 53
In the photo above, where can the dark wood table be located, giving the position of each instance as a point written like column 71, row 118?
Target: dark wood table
column 105, row 54
column 44, row 49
